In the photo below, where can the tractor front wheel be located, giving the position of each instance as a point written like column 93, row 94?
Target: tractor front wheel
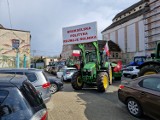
column 77, row 82
column 149, row 69
column 102, row 81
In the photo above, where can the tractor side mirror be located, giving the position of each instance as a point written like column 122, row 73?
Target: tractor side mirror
column 153, row 55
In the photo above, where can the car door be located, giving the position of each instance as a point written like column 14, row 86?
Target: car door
column 150, row 96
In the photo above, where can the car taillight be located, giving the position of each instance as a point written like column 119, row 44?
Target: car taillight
column 121, row 86
column 44, row 116
column 40, row 115
column 46, row 85
column 67, row 72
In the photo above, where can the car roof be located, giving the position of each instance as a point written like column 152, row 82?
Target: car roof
column 20, row 69
column 131, row 66
column 12, row 80
column 70, row 68
column 152, row 75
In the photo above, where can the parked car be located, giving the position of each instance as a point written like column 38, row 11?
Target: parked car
column 56, row 85
column 19, row 99
column 142, row 96
column 66, row 73
column 36, row 77
column 130, row 71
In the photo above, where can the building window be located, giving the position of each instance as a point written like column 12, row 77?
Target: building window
column 140, row 7
column 113, row 55
column 116, row 55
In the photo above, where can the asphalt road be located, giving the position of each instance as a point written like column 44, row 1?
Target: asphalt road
column 88, row 104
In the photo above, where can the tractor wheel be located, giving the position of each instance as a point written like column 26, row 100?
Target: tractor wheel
column 110, row 74
column 102, row 81
column 77, row 82
column 149, row 69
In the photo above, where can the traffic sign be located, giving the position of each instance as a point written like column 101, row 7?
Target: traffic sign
column 15, row 43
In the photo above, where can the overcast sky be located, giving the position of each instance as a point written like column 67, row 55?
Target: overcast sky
column 46, row 18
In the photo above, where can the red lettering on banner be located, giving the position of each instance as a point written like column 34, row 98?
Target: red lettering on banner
column 79, row 30
column 79, row 34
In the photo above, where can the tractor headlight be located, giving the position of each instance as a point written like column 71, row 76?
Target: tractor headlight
column 87, row 72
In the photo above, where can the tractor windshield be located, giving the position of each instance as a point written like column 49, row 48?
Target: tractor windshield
column 91, row 57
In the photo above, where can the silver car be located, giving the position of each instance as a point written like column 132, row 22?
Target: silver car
column 66, row 73
column 36, row 77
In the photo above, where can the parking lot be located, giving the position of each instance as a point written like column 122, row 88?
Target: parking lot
column 88, row 104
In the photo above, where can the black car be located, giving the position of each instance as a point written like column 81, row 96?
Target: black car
column 56, row 84
column 19, row 100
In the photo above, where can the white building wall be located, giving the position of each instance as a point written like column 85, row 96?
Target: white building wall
column 113, row 36
column 121, row 39
column 141, row 36
column 131, row 38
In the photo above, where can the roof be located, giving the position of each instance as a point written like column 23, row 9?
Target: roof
column 12, row 80
column 101, row 43
column 1, row 27
column 127, row 18
column 129, row 8
column 113, row 46
column 18, row 69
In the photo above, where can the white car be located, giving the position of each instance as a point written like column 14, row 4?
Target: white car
column 66, row 73
column 130, row 71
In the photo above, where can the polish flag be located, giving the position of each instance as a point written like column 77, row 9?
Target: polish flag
column 106, row 49
column 76, row 53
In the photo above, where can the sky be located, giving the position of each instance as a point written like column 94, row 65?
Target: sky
column 46, row 18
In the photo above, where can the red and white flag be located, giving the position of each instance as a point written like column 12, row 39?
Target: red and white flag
column 106, row 49
column 76, row 53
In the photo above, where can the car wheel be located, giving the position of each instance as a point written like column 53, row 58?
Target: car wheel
column 125, row 75
column 133, row 76
column 53, row 88
column 134, row 108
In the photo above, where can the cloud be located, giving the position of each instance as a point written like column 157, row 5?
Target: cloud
column 46, row 18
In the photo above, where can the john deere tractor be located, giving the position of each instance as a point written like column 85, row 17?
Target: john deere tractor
column 153, row 65
column 94, row 69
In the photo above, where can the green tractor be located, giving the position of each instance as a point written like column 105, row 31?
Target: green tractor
column 151, row 66
column 94, row 70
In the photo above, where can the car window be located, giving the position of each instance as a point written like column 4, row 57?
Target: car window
column 14, row 105
column 45, row 76
column 151, row 83
column 32, row 96
column 31, row 77
column 3, row 95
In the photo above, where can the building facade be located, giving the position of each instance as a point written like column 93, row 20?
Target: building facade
column 152, row 26
column 127, row 30
column 8, row 54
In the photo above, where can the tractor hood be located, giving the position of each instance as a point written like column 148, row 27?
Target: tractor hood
column 89, row 66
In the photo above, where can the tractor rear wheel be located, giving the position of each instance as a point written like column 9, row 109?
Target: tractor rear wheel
column 77, row 82
column 110, row 74
column 149, row 69
column 102, row 81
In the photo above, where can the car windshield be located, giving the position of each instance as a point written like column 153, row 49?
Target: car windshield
column 91, row 57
